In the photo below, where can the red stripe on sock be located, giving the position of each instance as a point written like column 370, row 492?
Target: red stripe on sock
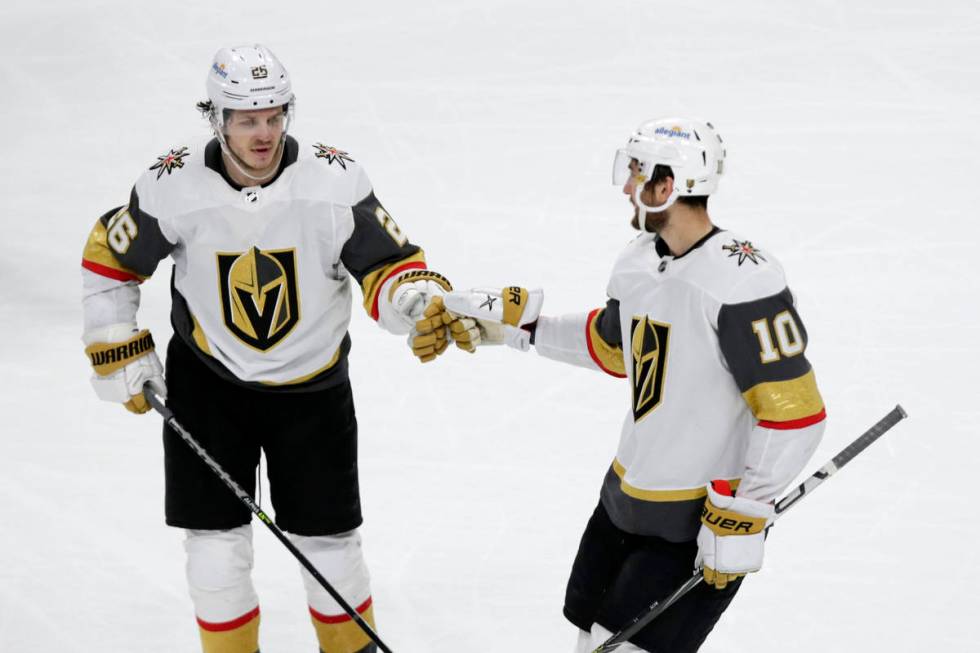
column 228, row 625
column 339, row 618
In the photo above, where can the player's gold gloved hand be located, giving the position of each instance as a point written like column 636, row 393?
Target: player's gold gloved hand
column 430, row 337
column 732, row 538
column 432, row 333
column 124, row 360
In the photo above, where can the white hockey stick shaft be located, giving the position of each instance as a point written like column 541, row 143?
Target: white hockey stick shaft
column 846, row 455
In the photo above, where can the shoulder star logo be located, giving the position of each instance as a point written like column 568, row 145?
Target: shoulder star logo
column 167, row 162
column 332, row 154
column 743, row 250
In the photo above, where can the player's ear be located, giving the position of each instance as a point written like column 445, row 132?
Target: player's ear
column 664, row 188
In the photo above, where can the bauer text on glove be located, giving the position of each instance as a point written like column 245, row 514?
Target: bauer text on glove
column 732, row 537
column 503, row 316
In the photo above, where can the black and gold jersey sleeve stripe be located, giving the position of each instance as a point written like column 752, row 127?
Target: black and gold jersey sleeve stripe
column 126, row 244
column 764, row 344
column 605, row 340
column 98, row 258
column 377, row 250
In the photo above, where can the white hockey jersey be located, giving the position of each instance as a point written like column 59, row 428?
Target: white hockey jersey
column 720, row 388
column 260, row 285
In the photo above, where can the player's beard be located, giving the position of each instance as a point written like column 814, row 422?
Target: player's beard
column 656, row 222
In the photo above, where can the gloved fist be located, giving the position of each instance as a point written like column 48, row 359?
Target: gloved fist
column 410, row 294
column 505, row 316
column 124, row 360
column 732, row 537
column 432, row 333
column 430, row 337
column 415, row 306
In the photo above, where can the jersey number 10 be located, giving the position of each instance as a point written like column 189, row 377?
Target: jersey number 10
column 788, row 338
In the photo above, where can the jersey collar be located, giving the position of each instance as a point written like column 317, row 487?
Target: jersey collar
column 662, row 250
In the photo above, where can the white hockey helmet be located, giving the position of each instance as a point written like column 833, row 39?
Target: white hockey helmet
column 692, row 148
column 247, row 77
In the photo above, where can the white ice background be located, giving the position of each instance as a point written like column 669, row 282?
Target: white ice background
column 488, row 129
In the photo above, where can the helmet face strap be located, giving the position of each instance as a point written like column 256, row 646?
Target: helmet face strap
column 643, row 208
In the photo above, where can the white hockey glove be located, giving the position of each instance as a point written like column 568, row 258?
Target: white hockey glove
column 415, row 300
column 505, row 316
column 409, row 295
column 732, row 536
column 124, row 360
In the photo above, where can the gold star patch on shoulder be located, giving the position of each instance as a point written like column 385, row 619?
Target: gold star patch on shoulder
column 332, row 155
column 169, row 161
column 743, row 250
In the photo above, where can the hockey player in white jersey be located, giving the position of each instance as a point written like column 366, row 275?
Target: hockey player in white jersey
column 265, row 232
column 725, row 409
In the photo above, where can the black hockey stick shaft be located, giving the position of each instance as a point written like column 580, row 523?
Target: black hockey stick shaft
column 846, row 455
column 169, row 418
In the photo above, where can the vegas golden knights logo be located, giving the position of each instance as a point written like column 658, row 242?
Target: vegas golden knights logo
column 649, row 345
column 259, row 298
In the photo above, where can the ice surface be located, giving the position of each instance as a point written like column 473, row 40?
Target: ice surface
column 488, row 129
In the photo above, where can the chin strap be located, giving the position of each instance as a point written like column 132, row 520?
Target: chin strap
column 643, row 209
column 235, row 159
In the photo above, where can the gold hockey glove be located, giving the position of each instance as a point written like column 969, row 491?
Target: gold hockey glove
column 430, row 336
column 124, row 361
column 732, row 537
column 436, row 328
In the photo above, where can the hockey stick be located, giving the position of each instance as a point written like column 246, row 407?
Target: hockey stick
column 845, row 456
column 169, row 418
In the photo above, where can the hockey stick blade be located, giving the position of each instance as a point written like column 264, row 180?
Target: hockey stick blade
column 846, row 455
column 244, row 497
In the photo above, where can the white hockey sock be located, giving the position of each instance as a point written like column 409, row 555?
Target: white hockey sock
column 219, row 566
column 583, row 642
column 339, row 559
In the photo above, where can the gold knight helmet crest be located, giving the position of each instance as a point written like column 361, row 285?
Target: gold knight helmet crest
column 648, row 347
column 259, row 295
